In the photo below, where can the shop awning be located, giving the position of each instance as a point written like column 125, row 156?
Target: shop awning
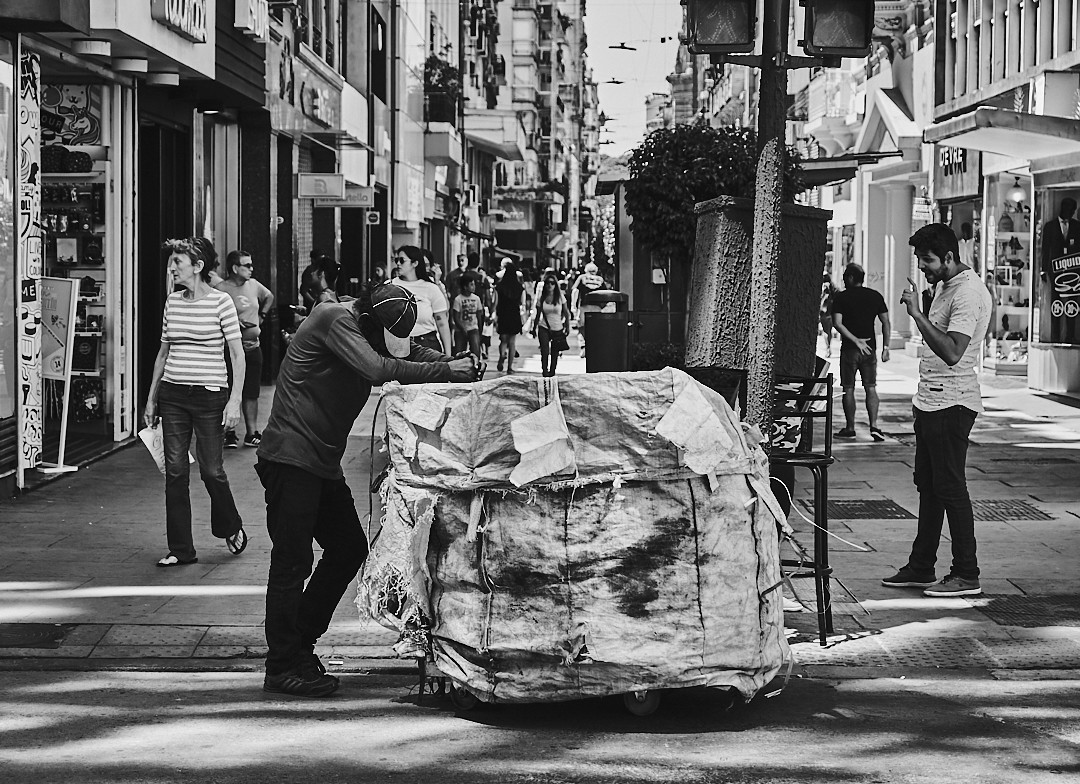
column 557, row 243
column 508, row 151
column 1013, row 134
column 840, row 168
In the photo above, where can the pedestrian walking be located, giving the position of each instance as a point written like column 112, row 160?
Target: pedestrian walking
column 318, row 282
column 945, row 407
column 552, row 323
column 825, row 310
column 509, row 297
column 453, row 278
column 587, row 282
column 253, row 302
column 855, row 309
column 325, row 379
column 190, row 393
column 468, row 314
column 432, row 310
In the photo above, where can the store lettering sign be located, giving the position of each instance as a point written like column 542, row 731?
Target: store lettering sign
column 186, row 17
column 252, row 17
column 315, row 103
column 957, row 173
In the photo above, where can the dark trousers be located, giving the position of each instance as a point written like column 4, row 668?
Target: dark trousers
column 941, row 444
column 548, row 359
column 301, row 507
column 187, row 409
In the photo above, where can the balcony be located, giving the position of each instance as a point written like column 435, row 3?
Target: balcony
column 442, row 144
column 440, row 107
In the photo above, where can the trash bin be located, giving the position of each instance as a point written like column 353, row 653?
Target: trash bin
column 607, row 331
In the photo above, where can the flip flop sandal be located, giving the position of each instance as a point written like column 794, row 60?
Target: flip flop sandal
column 237, row 542
column 172, row 560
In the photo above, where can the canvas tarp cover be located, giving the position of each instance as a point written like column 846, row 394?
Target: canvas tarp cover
column 639, row 573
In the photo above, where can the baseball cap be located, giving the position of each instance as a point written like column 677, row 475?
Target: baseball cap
column 395, row 308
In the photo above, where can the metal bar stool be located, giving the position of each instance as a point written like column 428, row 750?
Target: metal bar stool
column 806, row 400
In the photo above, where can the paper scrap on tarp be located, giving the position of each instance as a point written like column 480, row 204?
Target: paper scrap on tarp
column 692, row 424
column 426, row 410
column 408, row 438
column 543, row 441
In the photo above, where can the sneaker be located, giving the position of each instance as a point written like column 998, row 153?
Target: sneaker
column 253, row 440
column 877, row 434
column 302, row 681
column 846, row 432
column 906, row 578
column 954, row 586
column 231, row 441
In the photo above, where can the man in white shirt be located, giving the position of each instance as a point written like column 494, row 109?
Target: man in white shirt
column 945, row 407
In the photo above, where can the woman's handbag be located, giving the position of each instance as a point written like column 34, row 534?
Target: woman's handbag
column 558, row 339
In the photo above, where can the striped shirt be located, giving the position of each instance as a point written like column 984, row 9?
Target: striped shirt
column 196, row 332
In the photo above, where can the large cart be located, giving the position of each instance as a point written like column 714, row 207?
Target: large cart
column 605, row 534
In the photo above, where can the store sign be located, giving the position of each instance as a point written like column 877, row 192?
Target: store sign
column 316, row 103
column 252, row 17
column 355, row 196
column 186, row 17
column 320, row 186
column 957, row 173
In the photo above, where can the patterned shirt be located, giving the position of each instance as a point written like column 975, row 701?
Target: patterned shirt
column 196, row 332
column 962, row 304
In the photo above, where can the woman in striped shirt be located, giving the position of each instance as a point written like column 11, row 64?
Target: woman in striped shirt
column 189, row 394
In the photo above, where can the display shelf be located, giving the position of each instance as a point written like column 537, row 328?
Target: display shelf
column 86, row 373
column 90, row 333
column 90, row 175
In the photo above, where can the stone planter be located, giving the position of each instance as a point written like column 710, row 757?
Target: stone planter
column 719, row 305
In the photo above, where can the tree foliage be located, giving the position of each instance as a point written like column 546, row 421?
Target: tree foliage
column 674, row 168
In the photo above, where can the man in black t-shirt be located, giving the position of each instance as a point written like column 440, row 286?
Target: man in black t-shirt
column 854, row 311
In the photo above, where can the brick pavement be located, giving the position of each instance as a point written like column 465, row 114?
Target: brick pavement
column 79, row 555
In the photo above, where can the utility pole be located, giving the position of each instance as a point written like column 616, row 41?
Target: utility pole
column 772, row 121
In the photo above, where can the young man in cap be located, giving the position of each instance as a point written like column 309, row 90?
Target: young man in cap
column 337, row 354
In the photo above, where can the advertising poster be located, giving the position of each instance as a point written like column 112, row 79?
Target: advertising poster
column 1065, row 298
column 59, row 298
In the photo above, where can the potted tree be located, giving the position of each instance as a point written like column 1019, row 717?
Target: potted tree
column 442, row 90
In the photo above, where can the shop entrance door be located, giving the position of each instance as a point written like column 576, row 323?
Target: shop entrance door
column 164, row 210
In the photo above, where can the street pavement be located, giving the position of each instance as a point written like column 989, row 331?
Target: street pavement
column 79, row 588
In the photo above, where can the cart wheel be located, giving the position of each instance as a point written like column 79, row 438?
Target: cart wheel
column 462, row 699
column 642, row 703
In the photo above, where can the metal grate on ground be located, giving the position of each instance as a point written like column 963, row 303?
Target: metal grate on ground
column 1031, row 612
column 861, row 509
column 33, row 635
column 1007, row 509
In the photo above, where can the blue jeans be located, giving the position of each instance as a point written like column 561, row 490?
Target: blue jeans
column 300, row 507
column 186, row 409
column 941, row 443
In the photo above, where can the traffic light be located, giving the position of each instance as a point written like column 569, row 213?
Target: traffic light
column 838, row 28
column 720, row 26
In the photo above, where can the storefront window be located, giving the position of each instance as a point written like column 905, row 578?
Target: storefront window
column 218, row 192
column 7, row 231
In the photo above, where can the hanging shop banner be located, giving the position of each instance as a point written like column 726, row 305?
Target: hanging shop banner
column 59, row 300
column 957, row 173
column 1065, row 298
column 28, row 319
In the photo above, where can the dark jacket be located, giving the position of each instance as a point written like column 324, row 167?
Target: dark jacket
column 324, row 382
column 1054, row 245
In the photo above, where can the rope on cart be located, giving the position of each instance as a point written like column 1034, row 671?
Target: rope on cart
column 371, row 468
column 791, row 502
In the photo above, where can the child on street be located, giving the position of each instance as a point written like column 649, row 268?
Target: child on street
column 468, row 315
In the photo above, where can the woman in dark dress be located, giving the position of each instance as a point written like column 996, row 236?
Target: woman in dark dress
column 509, row 293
